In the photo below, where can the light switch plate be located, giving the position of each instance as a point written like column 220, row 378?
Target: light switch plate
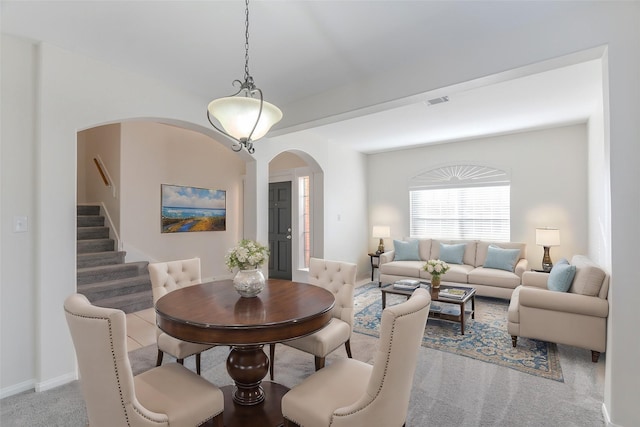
column 20, row 224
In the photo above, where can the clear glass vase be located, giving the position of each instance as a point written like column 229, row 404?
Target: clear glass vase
column 435, row 282
column 249, row 283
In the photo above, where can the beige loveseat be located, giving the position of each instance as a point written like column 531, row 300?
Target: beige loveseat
column 491, row 282
column 577, row 317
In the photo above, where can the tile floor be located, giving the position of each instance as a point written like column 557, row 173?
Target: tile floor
column 141, row 329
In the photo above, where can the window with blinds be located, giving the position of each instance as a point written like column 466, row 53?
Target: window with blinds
column 475, row 205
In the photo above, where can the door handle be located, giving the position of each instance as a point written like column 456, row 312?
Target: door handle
column 289, row 236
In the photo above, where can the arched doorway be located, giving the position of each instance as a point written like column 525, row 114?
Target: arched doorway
column 295, row 214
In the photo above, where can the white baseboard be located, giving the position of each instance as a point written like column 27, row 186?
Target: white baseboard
column 56, row 382
column 607, row 419
column 17, row 388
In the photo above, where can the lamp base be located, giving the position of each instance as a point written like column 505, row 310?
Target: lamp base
column 380, row 247
column 547, row 265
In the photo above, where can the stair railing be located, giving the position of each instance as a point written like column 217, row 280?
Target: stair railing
column 104, row 174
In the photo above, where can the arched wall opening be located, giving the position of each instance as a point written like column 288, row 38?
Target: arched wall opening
column 305, row 223
column 137, row 157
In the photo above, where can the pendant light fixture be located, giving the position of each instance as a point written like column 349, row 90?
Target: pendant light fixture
column 244, row 116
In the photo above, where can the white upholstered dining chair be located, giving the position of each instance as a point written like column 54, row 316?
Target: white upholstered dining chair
column 169, row 395
column 351, row 393
column 167, row 277
column 339, row 278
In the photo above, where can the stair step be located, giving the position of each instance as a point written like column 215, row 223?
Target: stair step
column 96, row 259
column 88, row 210
column 95, row 245
column 102, row 274
column 114, row 288
column 90, row 233
column 128, row 303
column 105, row 273
column 90, row 221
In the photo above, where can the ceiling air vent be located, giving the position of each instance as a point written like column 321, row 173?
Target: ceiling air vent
column 440, row 100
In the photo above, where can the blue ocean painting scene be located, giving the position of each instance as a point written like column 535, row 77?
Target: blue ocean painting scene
column 192, row 209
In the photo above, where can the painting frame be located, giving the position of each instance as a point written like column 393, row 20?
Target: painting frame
column 186, row 209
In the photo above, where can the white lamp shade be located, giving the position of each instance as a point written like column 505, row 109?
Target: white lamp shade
column 238, row 114
column 381, row 231
column 547, row 237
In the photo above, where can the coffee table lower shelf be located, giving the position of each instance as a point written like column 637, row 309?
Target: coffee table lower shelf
column 460, row 319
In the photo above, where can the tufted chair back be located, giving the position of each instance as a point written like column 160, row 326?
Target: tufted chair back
column 169, row 276
column 339, row 278
column 99, row 337
column 164, row 396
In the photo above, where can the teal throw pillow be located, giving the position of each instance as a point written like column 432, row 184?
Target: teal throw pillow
column 561, row 277
column 406, row 251
column 502, row 259
column 452, row 254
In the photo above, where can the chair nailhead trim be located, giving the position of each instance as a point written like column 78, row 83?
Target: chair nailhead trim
column 113, row 359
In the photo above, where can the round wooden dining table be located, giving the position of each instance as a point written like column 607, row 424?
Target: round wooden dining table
column 214, row 313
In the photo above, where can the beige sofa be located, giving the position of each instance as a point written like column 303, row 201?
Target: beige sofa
column 489, row 282
column 577, row 317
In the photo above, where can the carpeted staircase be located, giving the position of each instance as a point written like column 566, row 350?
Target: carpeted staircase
column 102, row 274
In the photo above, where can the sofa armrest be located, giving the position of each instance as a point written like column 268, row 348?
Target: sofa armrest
column 563, row 302
column 386, row 256
column 521, row 266
column 535, row 279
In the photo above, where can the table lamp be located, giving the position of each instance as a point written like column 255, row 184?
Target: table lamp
column 547, row 237
column 381, row 232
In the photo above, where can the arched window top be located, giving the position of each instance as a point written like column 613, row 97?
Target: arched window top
column 459, row 176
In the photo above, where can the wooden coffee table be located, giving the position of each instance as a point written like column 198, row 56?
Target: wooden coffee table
column 461, row 302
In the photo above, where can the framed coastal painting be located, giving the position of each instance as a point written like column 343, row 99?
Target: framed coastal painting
column 186, row 209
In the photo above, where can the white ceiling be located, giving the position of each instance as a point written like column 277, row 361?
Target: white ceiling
column 302, row 49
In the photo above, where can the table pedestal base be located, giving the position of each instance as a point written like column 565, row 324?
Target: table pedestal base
column 247, row 365
column 268, row 413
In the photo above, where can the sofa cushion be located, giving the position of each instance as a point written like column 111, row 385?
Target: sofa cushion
column 588, row 278
column 502, row 259
column 452, row 254
column 402, row 268
column 424, row 248
column 493, row 277
column 483, row 247
column 406, row 251
column 469, row 250
column 561, row 276
column 457, row 273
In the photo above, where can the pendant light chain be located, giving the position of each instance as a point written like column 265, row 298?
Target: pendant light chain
column 247, row 76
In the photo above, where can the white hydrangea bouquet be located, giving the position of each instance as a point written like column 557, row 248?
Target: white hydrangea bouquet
column 435, row 267
column 247, row 255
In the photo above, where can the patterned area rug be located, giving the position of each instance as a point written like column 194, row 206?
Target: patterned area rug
column 485, row 337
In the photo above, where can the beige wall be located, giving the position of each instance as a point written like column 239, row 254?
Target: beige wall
column 155, row 154
column 285, row 162
column 102, row 142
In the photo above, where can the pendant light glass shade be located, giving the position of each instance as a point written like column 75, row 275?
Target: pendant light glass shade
column 238, row 115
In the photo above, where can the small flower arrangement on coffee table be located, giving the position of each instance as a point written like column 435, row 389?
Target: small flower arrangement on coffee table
column 436, row 268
